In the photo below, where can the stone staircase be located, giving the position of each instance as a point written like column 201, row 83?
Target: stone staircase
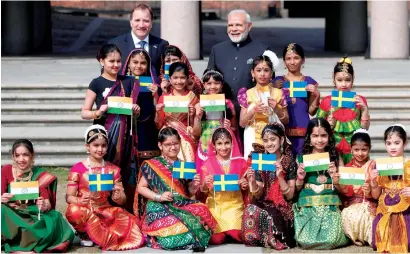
column 50, row 117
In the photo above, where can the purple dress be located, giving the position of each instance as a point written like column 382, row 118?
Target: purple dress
column 298, row 110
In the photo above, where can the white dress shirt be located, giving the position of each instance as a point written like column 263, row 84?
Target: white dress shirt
column 137, row 44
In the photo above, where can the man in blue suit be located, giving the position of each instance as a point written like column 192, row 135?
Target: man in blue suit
column 141, row 23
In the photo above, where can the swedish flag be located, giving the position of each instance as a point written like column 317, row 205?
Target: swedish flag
column 297, row 89
column 166, row 71
column 263, row 162
column 184, row 170
column 101, row 182
column 343, row 99
column 226, row 182
column 145, row 81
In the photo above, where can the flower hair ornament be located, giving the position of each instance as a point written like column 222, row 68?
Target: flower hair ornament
column 95, row 130
column 398, row 125
column 361, row 130
column 345, row 61
column 212, row 72
column 273, row 58
column 290, row 48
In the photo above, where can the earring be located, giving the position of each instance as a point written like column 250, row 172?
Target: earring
column 129, row 72
column 253, row 79
column 303, row 66
column 88, row 151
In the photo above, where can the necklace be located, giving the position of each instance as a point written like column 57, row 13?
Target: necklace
column 394, row 185
column 321, row 178
column 90, row 166
column 224, row 162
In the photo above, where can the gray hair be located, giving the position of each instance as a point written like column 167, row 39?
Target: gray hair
column 241, row 11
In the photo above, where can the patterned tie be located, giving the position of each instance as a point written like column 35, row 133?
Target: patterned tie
column 142, row 44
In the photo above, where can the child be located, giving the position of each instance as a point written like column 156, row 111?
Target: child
column 270, row 209
column 360, row 207
column 182, row 122
column 344, row 121
column 390, row 227
column 318, row 223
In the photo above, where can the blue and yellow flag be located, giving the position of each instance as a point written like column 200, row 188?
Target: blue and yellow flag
column 101, row 182
column 226, row 182
column 343, row 99
column 184, row 170
column 297, row 89
column 145, row 81
column 263, row 162
column 166, row 71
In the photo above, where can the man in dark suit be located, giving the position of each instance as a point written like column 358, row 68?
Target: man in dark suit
column 141, row 23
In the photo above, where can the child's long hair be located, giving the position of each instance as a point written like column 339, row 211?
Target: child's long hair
column 331, row 144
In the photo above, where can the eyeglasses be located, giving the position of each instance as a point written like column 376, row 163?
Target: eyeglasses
column 169, row 146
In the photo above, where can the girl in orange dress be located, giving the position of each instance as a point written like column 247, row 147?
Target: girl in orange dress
column 392, row 223
column 90, row 213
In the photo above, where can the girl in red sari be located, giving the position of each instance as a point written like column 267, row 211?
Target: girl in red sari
column 173, row 54
column 91, row 213
column 227, row 208
column 179, row 73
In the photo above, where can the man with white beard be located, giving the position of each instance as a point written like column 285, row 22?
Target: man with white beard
column 234, row 57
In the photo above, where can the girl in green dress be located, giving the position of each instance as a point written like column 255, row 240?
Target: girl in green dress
column 318, row 222
column 31, row 225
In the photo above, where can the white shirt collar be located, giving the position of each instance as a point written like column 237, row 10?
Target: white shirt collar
column 136, row 40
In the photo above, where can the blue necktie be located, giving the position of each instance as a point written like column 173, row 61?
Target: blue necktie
column 142, row 44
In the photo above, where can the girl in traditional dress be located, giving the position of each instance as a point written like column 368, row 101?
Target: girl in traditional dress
column 206, row 122
column 121, row 138
column 392, row 223
column 268, row 220
column 344, row 121
column 92, row 213
column 173, row 54
column 227, row 207
column 318, row 222
column 170, row 219
column 299, row 109
column 260, row 105
column 28, row 225
column 360, row 207
column 182, row 122
column 137, row 64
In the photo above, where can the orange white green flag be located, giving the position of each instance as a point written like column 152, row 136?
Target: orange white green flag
column 176, row 104
column 213, row 102
column 316, row 162
column 390, row 166
column 24, row 190
column 351, row 176
column 120, row 105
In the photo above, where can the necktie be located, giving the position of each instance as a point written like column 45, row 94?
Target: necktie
column 142, row 44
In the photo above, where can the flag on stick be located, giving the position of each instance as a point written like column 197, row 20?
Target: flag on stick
column 184, row 170
column 213, row 102
column 226, row 182
column 120, row 105
column 316, row 162
column 166, row 71
column 297, row 89
column 390, row 166
column 100, row 182
column 145, row 81
column 24, row 190
column 263, row 162
column 352, row 176
column 176, row 104
column 343, row 99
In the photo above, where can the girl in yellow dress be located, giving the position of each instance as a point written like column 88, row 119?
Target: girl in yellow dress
column 261, row 104
column 390, row 227
column 227, row 207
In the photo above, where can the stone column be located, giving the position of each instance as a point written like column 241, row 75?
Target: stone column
column 180, row 26
column 389, row 30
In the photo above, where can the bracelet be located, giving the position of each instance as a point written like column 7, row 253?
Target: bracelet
column 157, row 197
column 95, row 116
column 297, row 185
column 256, row 191
column 286, row 190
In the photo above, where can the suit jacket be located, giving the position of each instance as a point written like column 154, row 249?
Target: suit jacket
column 156, row 48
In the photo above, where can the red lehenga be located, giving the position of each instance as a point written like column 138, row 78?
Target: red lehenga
column 110, row 227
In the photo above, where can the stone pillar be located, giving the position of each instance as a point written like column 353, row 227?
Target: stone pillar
column 389, row 30
column 346, row 28
column 180, row 23
column 26, row 27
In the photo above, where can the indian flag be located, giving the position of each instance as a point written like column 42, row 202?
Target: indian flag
column 390, row 166
column 316, row 162
column 24, row 190
column 351, row 176
column 213, row 102
column 176, row 104
column 120, row 105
